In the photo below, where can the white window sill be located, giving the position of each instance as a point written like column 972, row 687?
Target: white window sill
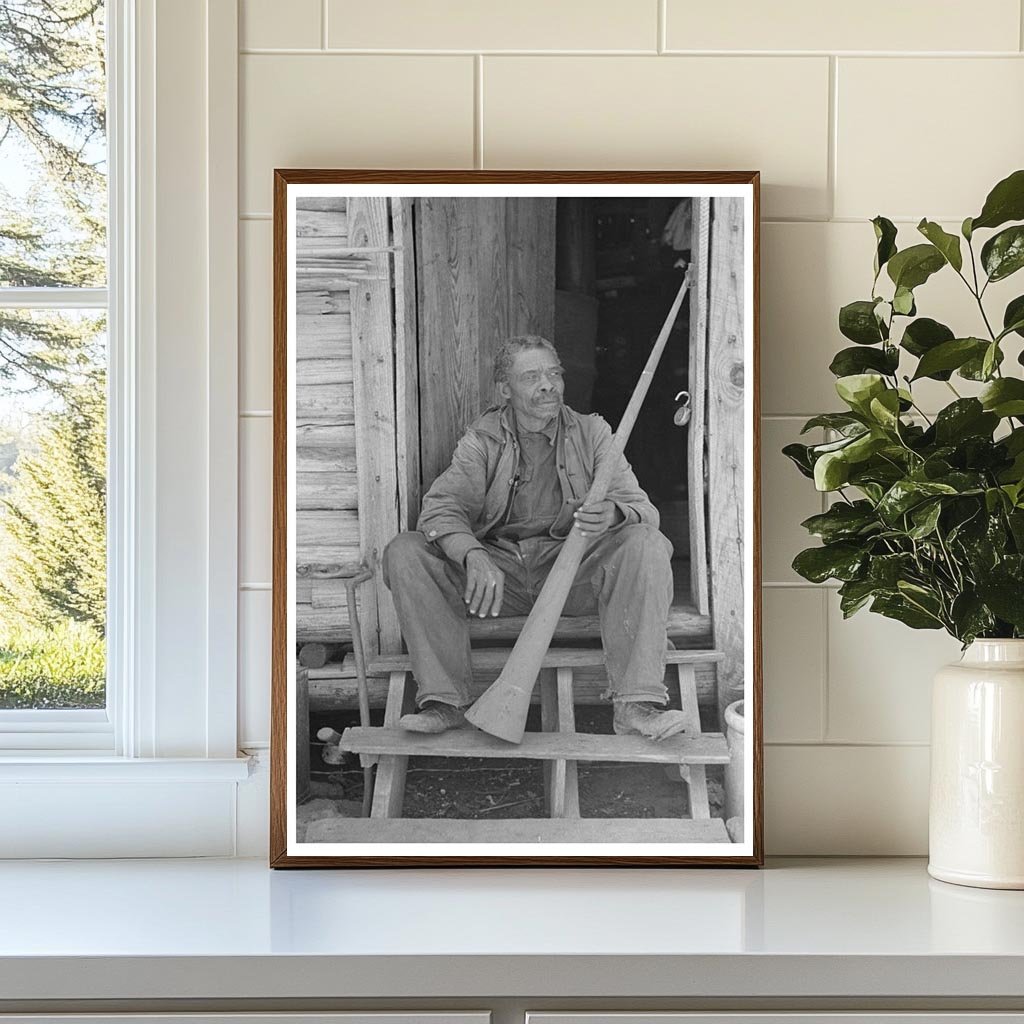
column 81, row 767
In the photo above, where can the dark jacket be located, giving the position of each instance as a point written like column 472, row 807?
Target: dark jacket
column 470, row 497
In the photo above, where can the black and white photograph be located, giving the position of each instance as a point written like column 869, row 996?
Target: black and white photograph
column 515, row 550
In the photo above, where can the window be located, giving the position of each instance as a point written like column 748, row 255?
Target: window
column 108, row 780
column 53, row 372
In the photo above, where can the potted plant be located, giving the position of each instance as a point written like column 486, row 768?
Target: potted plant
column 927, row 521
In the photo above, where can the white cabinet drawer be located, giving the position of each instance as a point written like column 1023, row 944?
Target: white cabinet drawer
column 786, row 1017
column 357, row 1017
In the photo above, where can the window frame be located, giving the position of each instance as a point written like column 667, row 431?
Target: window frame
column 172, row 462
column 93, row 729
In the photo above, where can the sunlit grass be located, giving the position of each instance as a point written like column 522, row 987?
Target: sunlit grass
column 62, row 667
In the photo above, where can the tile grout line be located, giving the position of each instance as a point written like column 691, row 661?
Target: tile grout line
column 1020, row 25
column 831, row 171
column 663, row 27
column 478, row 111
column 258, row 51
column 323, row 24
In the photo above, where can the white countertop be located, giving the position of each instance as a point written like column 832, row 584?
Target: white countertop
column 233, row 929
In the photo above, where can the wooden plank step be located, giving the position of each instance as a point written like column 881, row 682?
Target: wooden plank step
column 333, row 687
column 684, row 623
column 493, row 659
column 708, row 748
column 517, row 830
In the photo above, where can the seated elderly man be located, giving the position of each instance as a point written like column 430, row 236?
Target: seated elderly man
column 491, row 527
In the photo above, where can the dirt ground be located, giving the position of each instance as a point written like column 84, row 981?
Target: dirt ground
column 442, row 787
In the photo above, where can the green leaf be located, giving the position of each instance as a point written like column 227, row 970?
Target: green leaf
column 923, row 335
column 831, row 471
column 1005, row 202
column 799, row 455
column 842, row 521
column 991, row 360
column 966, row 417
column 850, row 361
column 840, row 561
column 903, row 302
column 887, row 570
column 906, row 494
column 971, row 617
column 925, row 518
column 885, row 237
column 950, row 355
column 1004, row 397
column 858, row 389
column 1013, row 317
column 1005, row 597
column 885, row 409
column 854, row 595
column 947, row 244
column 857, row 321
column 965, row 229
column 912, row 267
column 841, row 421
column 1003, row 254
column 974, row 368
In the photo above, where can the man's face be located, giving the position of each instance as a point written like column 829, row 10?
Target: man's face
column 534, row 386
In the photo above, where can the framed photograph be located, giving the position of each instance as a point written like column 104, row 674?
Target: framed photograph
column 516, row 611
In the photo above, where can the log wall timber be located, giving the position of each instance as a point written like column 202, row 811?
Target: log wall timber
column 725, row 428
column 484, row 271
column 342, row 248
column 326, row 524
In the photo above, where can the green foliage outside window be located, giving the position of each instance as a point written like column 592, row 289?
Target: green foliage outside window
column 52, row 365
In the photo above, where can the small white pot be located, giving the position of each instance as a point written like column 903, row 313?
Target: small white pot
column 976, row 813
column 734, row 770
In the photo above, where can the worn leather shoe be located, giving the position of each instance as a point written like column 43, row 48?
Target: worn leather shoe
column 434, row 717
column 644, row 718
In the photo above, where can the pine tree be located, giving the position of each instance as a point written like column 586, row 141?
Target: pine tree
column 53, row 520
column 53, row 117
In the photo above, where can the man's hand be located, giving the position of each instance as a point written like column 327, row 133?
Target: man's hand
column 593, row 520
column 485, row 584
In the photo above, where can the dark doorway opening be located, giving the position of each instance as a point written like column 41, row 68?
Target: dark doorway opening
column 618, row 265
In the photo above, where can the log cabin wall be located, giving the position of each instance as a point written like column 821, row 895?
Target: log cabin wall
column 327, row 507
column 347, row 505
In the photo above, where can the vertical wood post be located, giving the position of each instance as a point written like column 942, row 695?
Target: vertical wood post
column 700, row 233
column 373, row 343
column 727, row 496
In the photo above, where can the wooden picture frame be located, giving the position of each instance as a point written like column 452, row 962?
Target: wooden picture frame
column 392, row 290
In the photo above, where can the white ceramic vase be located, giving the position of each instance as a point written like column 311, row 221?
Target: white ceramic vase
column 976, row 813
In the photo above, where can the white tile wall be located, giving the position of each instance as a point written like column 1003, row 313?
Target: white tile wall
column 504, row 25
column 698, row 113
column 943, row 105
column 925, row 117
column 261, row 26
column 874, row 25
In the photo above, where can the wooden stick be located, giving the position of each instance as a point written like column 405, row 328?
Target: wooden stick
column 502, row 709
